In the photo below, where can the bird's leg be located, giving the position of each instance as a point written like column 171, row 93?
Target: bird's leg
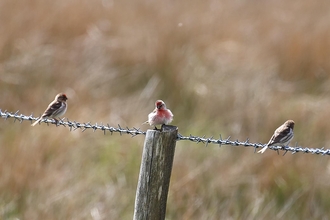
column 283, row 147
column 56, row 121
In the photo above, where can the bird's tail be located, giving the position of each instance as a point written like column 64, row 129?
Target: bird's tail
column 37, row 121
column 263, row 150
column 146, row 122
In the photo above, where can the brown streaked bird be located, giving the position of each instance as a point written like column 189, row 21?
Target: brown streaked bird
column 281, row 137
column 55, row 109
column 160, row 115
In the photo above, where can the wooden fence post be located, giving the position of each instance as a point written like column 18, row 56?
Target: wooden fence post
column 155, row 173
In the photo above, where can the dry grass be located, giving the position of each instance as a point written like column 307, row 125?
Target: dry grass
column 231, row 67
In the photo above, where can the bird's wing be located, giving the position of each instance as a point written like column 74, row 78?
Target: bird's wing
column 281, row 135
column 52, row 108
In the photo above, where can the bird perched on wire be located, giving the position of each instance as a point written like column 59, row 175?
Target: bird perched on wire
column 55, row 109
column 160, row 115
column 281, row 137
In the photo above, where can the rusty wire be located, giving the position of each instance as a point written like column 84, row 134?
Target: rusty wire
column 73, row 125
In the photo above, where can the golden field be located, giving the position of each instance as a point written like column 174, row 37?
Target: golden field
column 235, row 68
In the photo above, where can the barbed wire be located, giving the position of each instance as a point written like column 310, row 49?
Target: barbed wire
column 73, row 125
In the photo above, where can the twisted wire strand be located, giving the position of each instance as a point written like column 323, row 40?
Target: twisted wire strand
column 73, row 125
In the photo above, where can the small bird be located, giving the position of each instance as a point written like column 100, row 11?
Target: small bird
column 281, row 137
column 160, row 115
column 55, row 109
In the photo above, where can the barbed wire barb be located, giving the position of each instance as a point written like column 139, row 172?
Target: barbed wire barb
column 256, row 146
column 137, row 130
column 120, row 130
column 70, row 127
column 227, row 140
column 15, row 116
column 74, row 125
column 220, row 141
column 246, row 142
column 208, row 141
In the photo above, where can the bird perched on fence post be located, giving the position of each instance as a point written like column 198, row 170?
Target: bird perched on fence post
column 160, row 115
column 281, row 137
column 55, row 109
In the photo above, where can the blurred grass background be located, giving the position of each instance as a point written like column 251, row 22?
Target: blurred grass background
column 237, row 68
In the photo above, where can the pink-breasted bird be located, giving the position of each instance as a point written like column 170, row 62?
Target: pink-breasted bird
column 160, row 115
column 281, row 137
column 55, row 109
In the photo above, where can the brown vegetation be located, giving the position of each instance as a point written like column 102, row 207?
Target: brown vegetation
column 237, row 68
